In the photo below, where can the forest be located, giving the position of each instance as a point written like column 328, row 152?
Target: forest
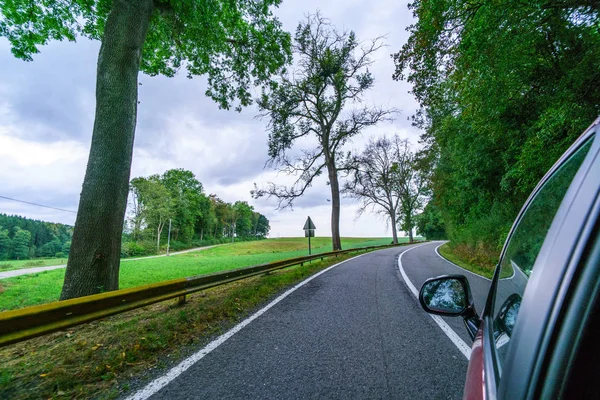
column 504, row 89
column 23, row 238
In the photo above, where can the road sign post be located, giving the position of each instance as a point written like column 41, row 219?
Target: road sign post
column 309, row 230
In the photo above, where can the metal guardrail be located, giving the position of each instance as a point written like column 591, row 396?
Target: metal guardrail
column 26, row 323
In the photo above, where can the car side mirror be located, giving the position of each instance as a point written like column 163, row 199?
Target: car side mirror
column 450, row 296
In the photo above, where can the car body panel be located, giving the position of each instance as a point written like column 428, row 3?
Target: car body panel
column 475, row 382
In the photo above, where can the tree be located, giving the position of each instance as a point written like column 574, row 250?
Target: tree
column 5, row 244
column 262, row 226
column 186, row 192
column 504, row 89
column 237, row 44
column 207, row 217
column 430, row 223
column 156, row 204
column 243, row 218
column 375, row 179
column 20, row 244
column 319, row 100
column 412, row 186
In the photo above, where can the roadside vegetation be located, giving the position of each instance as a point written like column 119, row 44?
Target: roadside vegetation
column 16, row 292
column 103, row 358
column 504, row 89
column 463, row 257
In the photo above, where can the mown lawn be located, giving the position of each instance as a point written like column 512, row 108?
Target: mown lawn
column 44, row 287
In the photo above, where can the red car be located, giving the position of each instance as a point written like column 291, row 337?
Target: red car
column 538, row 336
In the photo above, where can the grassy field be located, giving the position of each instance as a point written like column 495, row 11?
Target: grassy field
column 484, row 270
column 17, row 292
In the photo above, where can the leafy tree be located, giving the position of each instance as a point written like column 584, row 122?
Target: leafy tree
column 262, row 226
column 20, row 244
column 504, row 87
column 5, row 244
column 237, row 44
column 156, row 204
column 207, row 217
column 66, row 248
column 376, row 179
column 186, row 192
column 318, row 100
column 430, row 223
column 244, row 214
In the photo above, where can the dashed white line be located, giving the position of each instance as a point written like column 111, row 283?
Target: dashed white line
column 452, row 335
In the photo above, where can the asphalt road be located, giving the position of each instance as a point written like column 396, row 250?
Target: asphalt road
column 355, row 332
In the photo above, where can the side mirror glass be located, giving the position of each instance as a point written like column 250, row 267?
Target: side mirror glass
column 507, row 316
column 446, row 295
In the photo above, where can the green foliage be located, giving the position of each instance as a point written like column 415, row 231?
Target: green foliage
column 430, row 223
column 236, row 44
column 46, row 238
column 5, row 243
column 20, row 244
column 505, row 88
column 196, row 219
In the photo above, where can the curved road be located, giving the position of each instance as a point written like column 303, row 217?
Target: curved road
column 354, row 331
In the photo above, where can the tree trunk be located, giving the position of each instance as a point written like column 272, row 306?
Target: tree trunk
column 410, row 235
column 394, row 229
column 93, row 264
column 335, row 206
column 159, row 229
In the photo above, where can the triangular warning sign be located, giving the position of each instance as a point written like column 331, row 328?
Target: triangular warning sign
column 309, row 224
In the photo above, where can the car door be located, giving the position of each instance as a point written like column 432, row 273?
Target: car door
column 534, row 275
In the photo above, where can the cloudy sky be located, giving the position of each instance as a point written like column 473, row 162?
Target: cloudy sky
column 47, row 109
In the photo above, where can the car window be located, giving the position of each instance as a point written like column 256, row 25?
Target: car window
column 523, row 248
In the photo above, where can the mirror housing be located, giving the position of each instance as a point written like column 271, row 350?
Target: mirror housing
column 450, row 296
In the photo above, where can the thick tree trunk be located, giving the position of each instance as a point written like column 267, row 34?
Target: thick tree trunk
column 93, row 265
column 335, row 206
column 394, row 229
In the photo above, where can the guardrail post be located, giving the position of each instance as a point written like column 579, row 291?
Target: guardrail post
column 181, row 300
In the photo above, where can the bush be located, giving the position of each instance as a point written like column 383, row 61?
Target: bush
column 138, row 249
column 60, row 254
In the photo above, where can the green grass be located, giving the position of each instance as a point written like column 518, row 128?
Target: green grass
column 100, row 359
column 9, row 265
column 486, row 271
column 44, row 287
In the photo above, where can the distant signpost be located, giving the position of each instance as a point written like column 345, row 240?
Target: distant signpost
column 309, row 230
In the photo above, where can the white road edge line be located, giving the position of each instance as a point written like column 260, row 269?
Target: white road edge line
column 174, row 372
column 453, row 336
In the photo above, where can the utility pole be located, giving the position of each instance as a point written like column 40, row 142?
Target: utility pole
column 169, row 237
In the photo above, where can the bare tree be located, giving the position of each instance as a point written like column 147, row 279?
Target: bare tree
column 376, row 179
column 312, row 102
